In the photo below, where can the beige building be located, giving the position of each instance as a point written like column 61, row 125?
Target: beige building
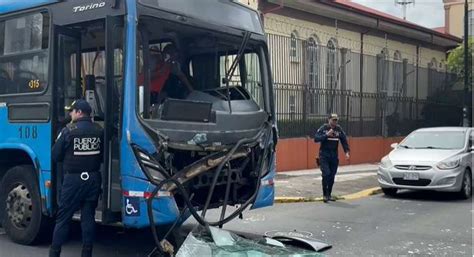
column 339, row 56
column 454, row 17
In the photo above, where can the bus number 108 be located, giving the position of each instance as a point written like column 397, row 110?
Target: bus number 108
column 27, row 132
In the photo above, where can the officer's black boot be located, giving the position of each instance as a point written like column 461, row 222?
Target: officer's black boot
column 325, row 193
column 54, row 252
column 330, row 198
column 86, row 251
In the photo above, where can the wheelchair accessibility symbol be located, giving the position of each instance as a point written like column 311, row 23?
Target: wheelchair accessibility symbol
column 132, row 206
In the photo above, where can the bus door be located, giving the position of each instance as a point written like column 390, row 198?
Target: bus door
column 112, row 190
column 93, row 71
column 67, row 88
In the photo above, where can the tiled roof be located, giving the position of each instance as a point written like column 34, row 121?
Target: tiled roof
column 440, row 29
column 347, row 4
column 361, row 7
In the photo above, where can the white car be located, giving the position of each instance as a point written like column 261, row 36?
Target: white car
column 437, row 159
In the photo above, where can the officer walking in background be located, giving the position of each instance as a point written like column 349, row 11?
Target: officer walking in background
column 329, row 136
column 79, row 147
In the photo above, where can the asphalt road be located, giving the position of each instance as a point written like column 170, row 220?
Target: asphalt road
column 413, row 224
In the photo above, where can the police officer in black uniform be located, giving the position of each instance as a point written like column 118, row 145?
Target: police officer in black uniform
column 329, row 136
column 80, row 149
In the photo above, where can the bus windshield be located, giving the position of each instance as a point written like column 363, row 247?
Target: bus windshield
column 194, row 66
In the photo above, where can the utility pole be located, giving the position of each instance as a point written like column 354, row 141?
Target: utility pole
column 404, row 4
column 467, row 96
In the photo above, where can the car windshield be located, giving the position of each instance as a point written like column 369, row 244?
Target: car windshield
column 435, row 140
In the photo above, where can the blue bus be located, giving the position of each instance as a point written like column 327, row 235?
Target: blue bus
column 195, row 134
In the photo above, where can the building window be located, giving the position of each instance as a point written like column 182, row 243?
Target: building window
column 434, row 79
column 294, row 46
column 314, row 80
column 397, row 74
column 433, row 65
column 331, row 58
column 470, row 16
column 292, row 104
column 383, row 70
column 313, row 63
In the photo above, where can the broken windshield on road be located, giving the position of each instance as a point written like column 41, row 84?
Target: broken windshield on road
column 217, row 242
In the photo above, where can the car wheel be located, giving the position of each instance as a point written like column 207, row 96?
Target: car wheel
column 466, row 186
column 390, row 191
column 20, row 199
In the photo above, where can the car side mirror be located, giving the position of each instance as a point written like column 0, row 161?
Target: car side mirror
column 394, row 145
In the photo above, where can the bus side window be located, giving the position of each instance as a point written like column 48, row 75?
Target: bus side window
column 24, row 54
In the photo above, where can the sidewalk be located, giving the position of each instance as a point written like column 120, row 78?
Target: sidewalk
column 352, row 181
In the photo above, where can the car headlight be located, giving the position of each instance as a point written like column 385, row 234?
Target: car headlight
column 151, row 167
column 449, row 164
column 385, row 162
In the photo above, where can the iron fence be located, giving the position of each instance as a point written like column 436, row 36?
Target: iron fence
column 382, row 115
column 390, row 96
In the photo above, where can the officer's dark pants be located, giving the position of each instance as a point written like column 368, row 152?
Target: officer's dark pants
column 329, row 166
column 77, row 194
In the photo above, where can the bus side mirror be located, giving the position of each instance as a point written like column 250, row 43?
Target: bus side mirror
column 394, row 145
column 471, row 149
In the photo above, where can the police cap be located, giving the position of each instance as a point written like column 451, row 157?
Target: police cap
column 81, row 105
column 333, row 116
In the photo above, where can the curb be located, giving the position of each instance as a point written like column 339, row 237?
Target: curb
column 357, row 195
column 298, row 173
column 280, row 176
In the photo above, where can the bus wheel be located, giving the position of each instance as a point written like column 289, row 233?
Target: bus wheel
column 20, row 199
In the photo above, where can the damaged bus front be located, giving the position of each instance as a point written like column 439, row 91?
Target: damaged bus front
column 204, row 135
column 182, row 89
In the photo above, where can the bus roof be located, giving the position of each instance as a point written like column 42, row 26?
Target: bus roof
column 7, row 6
column 228, row 13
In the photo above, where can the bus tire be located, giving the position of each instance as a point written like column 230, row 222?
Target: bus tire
column 23, row 220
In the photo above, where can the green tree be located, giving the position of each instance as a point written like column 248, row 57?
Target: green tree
column 456, row 61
